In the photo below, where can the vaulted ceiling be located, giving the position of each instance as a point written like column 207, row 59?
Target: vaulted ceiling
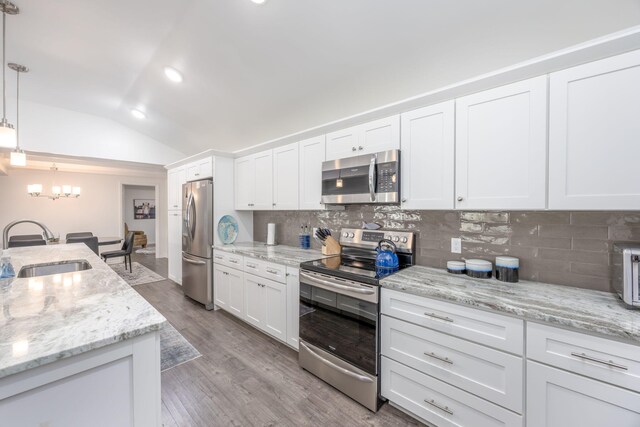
column 254, row 73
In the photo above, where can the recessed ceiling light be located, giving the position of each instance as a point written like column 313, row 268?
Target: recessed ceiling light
column 173, row 74
column 259, row 1
column 138, row 114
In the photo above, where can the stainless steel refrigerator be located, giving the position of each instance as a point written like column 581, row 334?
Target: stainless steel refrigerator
column 197, row 241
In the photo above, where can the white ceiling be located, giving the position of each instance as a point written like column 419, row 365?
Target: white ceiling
column 254, row 73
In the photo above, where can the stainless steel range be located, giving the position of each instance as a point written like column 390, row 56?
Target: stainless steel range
column 340, row 313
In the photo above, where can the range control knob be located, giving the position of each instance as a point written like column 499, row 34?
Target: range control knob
column 345, row 234
column 351, row 235
column 396, row 239
column 405, row 240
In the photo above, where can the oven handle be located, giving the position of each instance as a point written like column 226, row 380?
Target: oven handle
column 372, row 177
column 336, row 367
column 337, row 286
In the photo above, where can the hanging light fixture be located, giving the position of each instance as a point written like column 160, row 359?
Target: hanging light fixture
column 7, row 132
column 57, row 191
column 18, row 157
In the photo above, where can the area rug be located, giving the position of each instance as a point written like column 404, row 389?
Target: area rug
column 174, row 348
column 147, row 251
column 139, row 276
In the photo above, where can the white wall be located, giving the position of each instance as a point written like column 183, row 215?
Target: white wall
column 54, row 130
column 134, row 192
column 97, row 210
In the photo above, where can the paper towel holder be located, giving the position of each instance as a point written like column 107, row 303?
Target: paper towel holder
column 271, row 235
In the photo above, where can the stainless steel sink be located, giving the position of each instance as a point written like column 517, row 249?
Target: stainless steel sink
column 47, row 269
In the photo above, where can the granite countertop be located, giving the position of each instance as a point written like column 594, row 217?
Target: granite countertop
column 48, row 318
column 279, row 254
column 581, row 309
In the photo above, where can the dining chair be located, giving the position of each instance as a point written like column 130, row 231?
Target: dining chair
column 79, row 234
column 125, row 251
column 91, row 242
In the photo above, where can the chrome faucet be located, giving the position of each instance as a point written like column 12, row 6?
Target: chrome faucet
column 5, row 233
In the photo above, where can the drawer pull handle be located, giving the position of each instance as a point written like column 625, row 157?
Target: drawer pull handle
column 272, row 271
column 218, row 257
column 233, row 261
column 251, row 265
column 435, row 316
column 443, row 359
column 594, row 359
column 442, row 408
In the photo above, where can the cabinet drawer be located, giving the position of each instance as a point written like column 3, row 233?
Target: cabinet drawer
column 251, row 265
column 485, row 372
column 494, row 330
column 439, row 403
column 610, row 361
column 268, row 270
column 557, row 398
column 228, row 259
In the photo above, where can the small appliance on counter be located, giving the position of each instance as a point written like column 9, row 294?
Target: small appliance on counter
column 340, row 311
column 626, row 272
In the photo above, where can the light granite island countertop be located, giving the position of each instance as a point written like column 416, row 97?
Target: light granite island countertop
column 279, row 254
column 49, row 318
column 566, row 306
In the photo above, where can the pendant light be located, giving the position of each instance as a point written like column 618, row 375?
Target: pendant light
column 7, row 132
column 18, row 157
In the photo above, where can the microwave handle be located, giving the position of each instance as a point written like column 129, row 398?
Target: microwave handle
column 372, row 178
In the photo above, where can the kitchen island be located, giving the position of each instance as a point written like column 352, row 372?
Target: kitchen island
column 77, row 348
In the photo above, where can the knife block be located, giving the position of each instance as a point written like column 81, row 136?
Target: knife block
column 331, row 247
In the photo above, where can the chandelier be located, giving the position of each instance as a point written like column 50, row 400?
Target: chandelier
column 57, row 191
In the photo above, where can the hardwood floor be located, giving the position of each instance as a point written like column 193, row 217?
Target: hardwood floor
column 244, row 378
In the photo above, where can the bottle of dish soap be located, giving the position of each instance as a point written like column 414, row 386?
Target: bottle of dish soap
column 7, row 272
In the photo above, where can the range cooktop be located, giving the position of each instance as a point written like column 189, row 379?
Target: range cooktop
column 357, row 269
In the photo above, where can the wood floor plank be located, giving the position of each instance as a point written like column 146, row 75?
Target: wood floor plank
column 244, row 377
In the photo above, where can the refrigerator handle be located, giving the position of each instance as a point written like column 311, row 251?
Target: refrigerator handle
column 187, row 218
column 192, row 217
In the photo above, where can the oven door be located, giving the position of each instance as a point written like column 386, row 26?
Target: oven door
column 340, row 317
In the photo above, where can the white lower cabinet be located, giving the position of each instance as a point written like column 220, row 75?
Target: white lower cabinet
column 174, row 246
column 228, row 289
column 438, row 403
column 557, row 398
column 265, row 303
column 293, row 307
column 220, row 287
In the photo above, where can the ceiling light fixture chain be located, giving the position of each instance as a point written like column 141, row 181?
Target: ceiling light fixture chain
column 18, row 156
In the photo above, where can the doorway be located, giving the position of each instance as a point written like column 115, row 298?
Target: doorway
column 140, row 215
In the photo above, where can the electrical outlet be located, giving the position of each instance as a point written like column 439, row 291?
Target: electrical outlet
column 456, row 245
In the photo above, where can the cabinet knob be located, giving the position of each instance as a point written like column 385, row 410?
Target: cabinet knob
column 404, row 200
column 353, row 148
column 460, row 198
column 274, row 205
column 360, row 148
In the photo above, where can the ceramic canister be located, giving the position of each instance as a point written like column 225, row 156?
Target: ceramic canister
column 507, row 269
column 456, row 267
column 479, row 268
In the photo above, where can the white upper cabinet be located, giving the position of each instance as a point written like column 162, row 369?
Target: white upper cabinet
column 367, row 138
column 285, row 177
column 244, row 189
column 594, row 135
column 312, row 154
column 428, row 149
column 200, row 169
column 501, row 147
column 175, row 179
column 263, row 181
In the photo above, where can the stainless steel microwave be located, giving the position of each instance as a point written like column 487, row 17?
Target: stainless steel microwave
column 626, row 275
column 366, row 179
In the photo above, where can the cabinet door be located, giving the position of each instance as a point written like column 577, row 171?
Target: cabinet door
column 175, row 179
column 293, row 307
column 343, row 143
column 193, row 172
column 594, row 135
column 263, row 181
column 221, row 286
column 254, row 301
column 285, row 177
column 174, row 244
column 501, row 154
column 205, row 168
column 379, row 135
column 235, row 285
column 428, row 149
column 558, row 398
column 312, row 154
column 275, row 309
column 244, row 183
